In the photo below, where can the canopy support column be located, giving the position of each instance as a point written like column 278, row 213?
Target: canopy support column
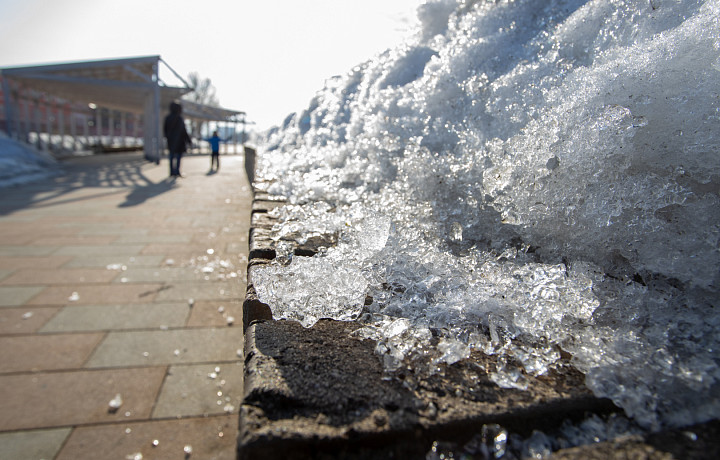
column 153, row 133
column 26, row 120
column 98, row 126
column 123, row 120
column 8, row 108
column 111, row 127
column 61, row 125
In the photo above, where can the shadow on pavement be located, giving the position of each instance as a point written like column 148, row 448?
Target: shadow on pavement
column 115, row 173
column 142, row 192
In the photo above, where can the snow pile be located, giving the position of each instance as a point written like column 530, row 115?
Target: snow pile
column 526, row 177
column 21, row 164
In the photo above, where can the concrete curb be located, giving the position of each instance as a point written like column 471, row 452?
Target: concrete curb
column 321, row 393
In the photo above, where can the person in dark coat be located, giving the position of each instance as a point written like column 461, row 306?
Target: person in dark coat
column 177, row 137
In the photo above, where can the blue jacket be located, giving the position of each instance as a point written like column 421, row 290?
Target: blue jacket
column 215, row 142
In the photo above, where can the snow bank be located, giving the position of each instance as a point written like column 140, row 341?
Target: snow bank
column 21, row 164
column 541, row 176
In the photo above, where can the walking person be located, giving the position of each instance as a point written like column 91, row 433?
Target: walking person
column 177, row 137
column 214, row 141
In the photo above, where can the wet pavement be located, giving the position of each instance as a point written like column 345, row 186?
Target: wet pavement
column 116, row 280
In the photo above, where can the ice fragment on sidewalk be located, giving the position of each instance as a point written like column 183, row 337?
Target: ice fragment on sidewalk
column 115, row 403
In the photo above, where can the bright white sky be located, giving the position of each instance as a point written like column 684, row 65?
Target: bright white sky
column 264, row 57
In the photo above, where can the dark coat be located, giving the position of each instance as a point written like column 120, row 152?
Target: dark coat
column 174, row 130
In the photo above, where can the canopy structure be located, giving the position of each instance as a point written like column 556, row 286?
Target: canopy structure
column 208, row 113
column 204, row 113
column 131, row 86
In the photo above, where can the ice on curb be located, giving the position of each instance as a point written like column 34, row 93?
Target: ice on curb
column 311, row 288
column 527, row 178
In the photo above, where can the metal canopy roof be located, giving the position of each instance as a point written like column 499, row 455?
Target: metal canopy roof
column 206, row 112
column 122, row 84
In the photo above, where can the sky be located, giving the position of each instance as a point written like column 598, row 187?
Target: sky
column 267, row 58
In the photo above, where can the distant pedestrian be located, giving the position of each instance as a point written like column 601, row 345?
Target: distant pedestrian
column 214, row 141
column 177, row 137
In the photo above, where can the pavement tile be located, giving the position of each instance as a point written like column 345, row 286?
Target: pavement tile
column 94, row 294
column 204, row 291
column 200, row 390
column 180, row 220
column 12, row 296
column 148, row 239
column 236, row 247
column 208, row 237
column 4, row 273
column 53, row 276
column 169, row 248
column 21, row 228
column 79, row 240
column 16, row 239
column 24, row 320
column 33, row 353
column 45, row 400
column 32, row 445
column 26, row 251
column 110, row 229
column 219, row 238
column 117, row 260
column 108, row 250
column 211, row 438
column 151, row 222
column 146, row 348
column 19, row 217
column 234, row 230
column 166, row 274
column 74, row 318
column 33, row 262
column 86, row 225
column 210, row 221
column 215, row 313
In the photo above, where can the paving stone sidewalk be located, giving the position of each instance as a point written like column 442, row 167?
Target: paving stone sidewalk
column 117, row 280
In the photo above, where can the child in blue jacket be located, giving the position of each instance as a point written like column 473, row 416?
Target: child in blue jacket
column 214, row 141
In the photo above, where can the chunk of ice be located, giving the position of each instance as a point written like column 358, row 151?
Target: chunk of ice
column 115, row 403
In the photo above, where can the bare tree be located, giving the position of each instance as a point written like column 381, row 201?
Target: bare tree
column 203, row 93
